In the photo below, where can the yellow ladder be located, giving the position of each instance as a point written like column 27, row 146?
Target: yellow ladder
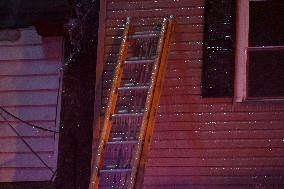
column 133, row 101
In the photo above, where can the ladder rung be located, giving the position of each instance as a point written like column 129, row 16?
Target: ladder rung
column 115, row 170
column 123, row 142
column 122, row 111
column 144, row 34
column 128, row 115
column 143, row 87
column 147, row 32
column 139, row 61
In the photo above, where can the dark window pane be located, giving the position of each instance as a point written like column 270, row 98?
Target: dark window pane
column 266, row 23
column 266, row 73
column 219, row 38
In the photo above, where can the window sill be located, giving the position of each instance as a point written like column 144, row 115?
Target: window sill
column 266, row 100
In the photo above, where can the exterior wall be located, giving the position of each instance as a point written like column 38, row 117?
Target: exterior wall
column 29, row 85
column 198, row 142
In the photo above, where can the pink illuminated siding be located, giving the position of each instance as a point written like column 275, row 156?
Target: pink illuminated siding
column 198, row 143
column 29, row 84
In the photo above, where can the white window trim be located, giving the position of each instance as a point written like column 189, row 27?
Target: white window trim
column 242, row 38
column 242, row 31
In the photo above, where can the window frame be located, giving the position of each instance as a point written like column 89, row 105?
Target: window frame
column 242, row 48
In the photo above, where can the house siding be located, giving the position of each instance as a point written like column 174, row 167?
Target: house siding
column 198, row 142
column 29, row 85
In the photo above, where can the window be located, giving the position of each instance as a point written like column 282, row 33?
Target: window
column 219, row 46
column 259, row 50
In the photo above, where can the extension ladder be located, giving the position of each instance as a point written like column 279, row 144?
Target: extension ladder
column 133, row 101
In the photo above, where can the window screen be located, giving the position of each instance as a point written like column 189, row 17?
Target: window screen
column 219, row 38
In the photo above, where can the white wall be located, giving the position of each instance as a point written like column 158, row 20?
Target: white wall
column 29, row 84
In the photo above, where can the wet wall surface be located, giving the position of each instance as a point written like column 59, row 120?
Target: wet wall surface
column 198, row 142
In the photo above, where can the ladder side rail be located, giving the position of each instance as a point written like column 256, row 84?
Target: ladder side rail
column 94, row 184
column 136, row 161
column 155, row 103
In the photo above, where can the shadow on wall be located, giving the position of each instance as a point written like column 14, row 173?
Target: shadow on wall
column 29, row 83
column 23, row 185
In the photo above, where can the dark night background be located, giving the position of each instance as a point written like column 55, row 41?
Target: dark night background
column 75, row 145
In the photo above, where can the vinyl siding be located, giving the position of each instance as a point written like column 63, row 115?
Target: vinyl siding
column 29, row 85
column 198, row 143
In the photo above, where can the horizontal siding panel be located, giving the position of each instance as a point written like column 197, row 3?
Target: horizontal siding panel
column 138, row 5
column 182, row 37
column 187, row 46
column 28, row 174
column 167, row 90
column 181, row 55
column 20, row 98
column 193, row 108
column 179, row 29
column 178, row 55
column 179, row 73
column 190, row 62
column 30, row 52
column 220, row 171
column 206, row 143
column 185, row 37
column 26, row 130
column 212, row 180
column 221, row 125
column 235, row 134
column 211, row 186
column 256, row 107
column 150, row 21
column 217, row 153
column 27, row 67
column 204, row 186
column 172, row 66
column 171, row 73
column 217, row 162
column 25, row 160
column 190, row 99
column 28, row 83
column 153, row 13
column 189, row 85
column 178, row 82
column 33, row 113
column 193, row 63
column 180, row 46
column 16, row 145
column 273, row 116
column 199, row 108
